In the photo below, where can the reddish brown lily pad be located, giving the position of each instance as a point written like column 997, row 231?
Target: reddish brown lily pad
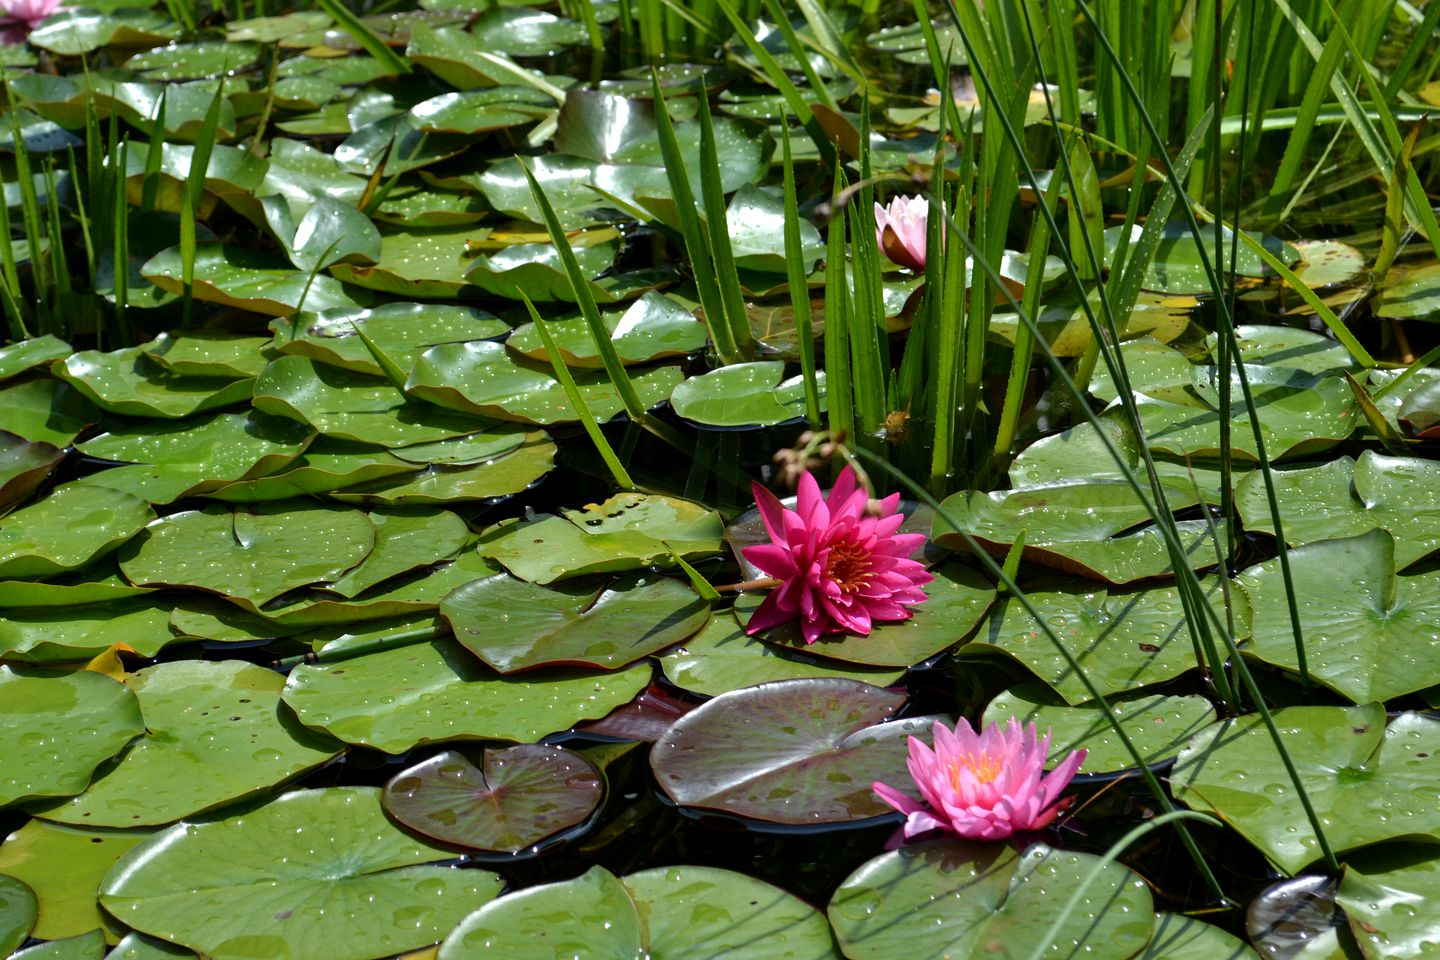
column 522, row 795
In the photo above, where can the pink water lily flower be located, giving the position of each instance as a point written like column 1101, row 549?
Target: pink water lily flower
column 901, row 229
column 985, row 786
column 22, row 16
column 841, row 564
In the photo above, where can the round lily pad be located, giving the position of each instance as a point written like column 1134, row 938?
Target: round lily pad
column 722, row 657
column 515, row 626
column 19, row 357
column 791, row 752
column 1385, row 893
column 652, row 328
column 216, row 449
column 401, row 330
column 1370, row 635
column 1158, row 726
column 436, row 691
column 59, row 728
column 326, row 465
column 63, row 866
column 67, row 530
column 17, row 912
column 220, row 888
column 208, row 353
column 1367, row 781
column 251, row 280
column 87, row 946
column 253, row 554
column 956, row 601
column 1179, row 937
column 743, row 395
column 968, row 900
column 519, row 796
column 689, row 912
column 46, row 411
column 491, row 479
column 404, row 540
column 213, row 734
column 128, row 382
column 485, row 379
column 58, row 632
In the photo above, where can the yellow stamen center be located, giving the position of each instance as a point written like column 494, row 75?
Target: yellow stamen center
column 848, row 566
column 985, row 768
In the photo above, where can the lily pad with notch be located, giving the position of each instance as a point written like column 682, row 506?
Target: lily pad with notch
column 405, row 540
column 326, row 466
column 68, row 529
column 743, row 395
column 250, row 280
column 24, row 465
column 516, row 626
column 514, row 800
column 63, row 866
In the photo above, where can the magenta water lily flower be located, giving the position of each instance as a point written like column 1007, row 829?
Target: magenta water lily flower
column 982, row 786
column 22, row 16
column 901, row 229
column 841, row 564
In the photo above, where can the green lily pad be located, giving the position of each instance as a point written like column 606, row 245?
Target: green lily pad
column 1410, row 293
column 480, row 111
column 1369, row 634
column 1383, row 893
column 756, row 223
column 137, row 946
column 418, row 264
column 86, row 30
column 688, row 912
column 64, row 865
column 458, row 57
column 326, row 465
column 402, row 331
column 128, row 382
column 24, row 466
column 1288, row 348
column 17, row 913
column 524, row 32
column 582, row 624
column 19, row 357
column 253, row 554
column 484, row 379
column 1419, row 411
column 655, row 327
column 743, row 395
column 219, row 888
column 957, row 600
column 1158, row 726
column 1176, row 267
column 437, row 691
column 626, row 532
column 249, row 280
column 425, row 207
column 722, row 657
column 57, row 634
column 297, row 171
column 536, row 269
column 969, row 900
column 522, row 795
column 510, row 473
column 352, row 406
column 208, row 353
column 404, row 540
column 1123, row 641
column 1079, row 455
column 1343, row 498
column 194, row 61
column 1178, row 937
column 1367, row 781
column 46, row 411
column 1093, row 529
column 1154, row 369
column 394, row 144
column 67, row 530
column 791, row 752
column 1328, row 263
column 213, row 735
column 215, row 449
column 60, row 727
column 327, row 232
column 87, row 946
column 468, row 451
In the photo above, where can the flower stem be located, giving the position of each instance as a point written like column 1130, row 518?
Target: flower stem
column 764, row 583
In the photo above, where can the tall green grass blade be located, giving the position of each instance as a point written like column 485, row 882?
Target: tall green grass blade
column 194, row 193
column 577, row 402
column 839, row 386
column 383, row 360
column 815, row 85
column 154, row 154
column 712, row 195
column 120, row 226
column 799, row 289
column 585, row 300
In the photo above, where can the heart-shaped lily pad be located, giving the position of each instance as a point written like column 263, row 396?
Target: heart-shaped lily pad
column 1369, row 634
column 64, row 866
column 1158, row 726
column 722, row 657
column 213, row 734
column 17, row 912
column 1384, row 893
column 67, row 530
column 626, row 532
column 1344, row 497
column 353, row 406
column 404, row 541
column 956, row 601
column 402, row 331
column 743, row 395
column 59, row 728
column 652, row 328
column 1123, row 641
column 688, row 912
column 253, row 554
column 486, row 380
column 1080, row 455
column 325, row 466
column 128, row 382
column 1367, row 781
column 576, row 624
column 219, row 888
column 790, row 752
column 520, row 796
column 968, row 900
column 437, row 691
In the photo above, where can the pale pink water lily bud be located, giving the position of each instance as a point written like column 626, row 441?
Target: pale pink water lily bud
column 900, row 229
column 982, row 786
column 841, row 564
column 22, row 16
